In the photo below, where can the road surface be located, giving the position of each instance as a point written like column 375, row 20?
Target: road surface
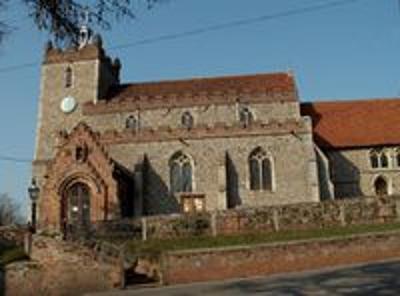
column 369, row 279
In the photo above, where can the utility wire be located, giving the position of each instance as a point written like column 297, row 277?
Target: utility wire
column 14, row 159
column 227, row 25
column 199, row 31
column 17, row 67
column 238, row 23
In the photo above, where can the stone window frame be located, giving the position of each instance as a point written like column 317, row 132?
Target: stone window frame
column 69, row 77
column 267, row 155
column 388, row 181
column 396, row 157
column 246, row 115
column 132, row 123
column 81, row 153
column 375, row 157
column 181, row 153
column 187, row 120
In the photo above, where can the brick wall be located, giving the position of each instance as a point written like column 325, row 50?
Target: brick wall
column 234, row 262
column 13, row 234
column 59, row 268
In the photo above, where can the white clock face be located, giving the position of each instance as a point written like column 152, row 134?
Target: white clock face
column 68, row 105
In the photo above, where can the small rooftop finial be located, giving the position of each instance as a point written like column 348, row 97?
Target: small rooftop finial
column 85, row 32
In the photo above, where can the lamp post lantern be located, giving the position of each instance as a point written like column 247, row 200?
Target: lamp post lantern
column 33, row 191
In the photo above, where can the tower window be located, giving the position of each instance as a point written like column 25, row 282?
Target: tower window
column 260, row 168
column 68, row 77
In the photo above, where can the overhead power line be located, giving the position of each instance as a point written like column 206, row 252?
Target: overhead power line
column 218, row 27
column 15, row 159
column 17, row 67
column 238, row 23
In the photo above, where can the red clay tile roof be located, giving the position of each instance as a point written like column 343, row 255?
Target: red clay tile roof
column 351, row 124
column 274, row 83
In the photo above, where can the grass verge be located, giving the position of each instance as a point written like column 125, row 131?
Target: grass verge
column 10, row 253
column 156, row 247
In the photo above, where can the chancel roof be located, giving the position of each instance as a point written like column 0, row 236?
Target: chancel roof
column 351, row 124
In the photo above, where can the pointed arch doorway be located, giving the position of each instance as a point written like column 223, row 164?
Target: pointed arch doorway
column 76, row 211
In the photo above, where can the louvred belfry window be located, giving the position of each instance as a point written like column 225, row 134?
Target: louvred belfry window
column 68, row 77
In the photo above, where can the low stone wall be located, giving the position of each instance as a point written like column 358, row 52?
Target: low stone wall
column 365, row 210
column 255, row 220
column 156, row 227
column 60, row 268
column 246, row 261
column 13, row 234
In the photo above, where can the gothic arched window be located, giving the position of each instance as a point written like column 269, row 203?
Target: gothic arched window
column 68, row 77
column 181, row 173
column 379, row 158
column 245, row 116
column 381, row 186
column 260, row 167
column 131, row 123
column 374, row 159
column 187, row 120
column 397, row 157
column 384, row 160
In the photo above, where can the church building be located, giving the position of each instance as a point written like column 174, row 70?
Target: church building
column 110, row 150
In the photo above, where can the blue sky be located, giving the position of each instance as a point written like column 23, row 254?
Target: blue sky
column 345, row 52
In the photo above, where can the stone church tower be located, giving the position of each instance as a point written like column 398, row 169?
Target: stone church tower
column 69, row 79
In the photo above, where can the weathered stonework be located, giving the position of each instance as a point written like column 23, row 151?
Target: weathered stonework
column 59, row 269
column 263, row 219
column 97, row 170
column 353, row 175
column 218, row 144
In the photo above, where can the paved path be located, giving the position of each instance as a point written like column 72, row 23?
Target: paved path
column 370, row 279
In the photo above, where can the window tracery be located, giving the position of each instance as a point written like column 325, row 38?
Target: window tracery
column 181, row 173
column 260, row 167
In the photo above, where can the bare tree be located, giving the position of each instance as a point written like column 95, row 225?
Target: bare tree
column 3, row 27
column 9, row 211
column 62, row 17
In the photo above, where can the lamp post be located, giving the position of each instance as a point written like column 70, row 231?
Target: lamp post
column 33, row 191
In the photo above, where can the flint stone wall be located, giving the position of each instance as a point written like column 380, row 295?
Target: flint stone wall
column 303, row 216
